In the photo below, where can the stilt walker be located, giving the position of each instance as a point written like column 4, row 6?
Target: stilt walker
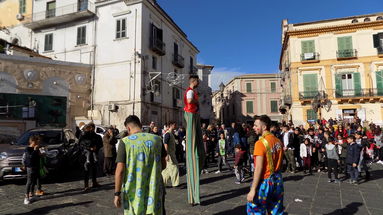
column 195, row 154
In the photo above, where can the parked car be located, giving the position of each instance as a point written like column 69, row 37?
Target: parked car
column 61, row 149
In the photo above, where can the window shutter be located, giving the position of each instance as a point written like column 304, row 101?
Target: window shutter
column 344, row 43
column 376, row 40
column 123, row 28
column 175, row 50
column 249, row 106
column 78, row 35
column 84, row 35
column 357, row 84
column 248, row 87
column 311, row 115
column 379, row 82
column 304, row 47
column 274, row 106
column 310, row 85
column 118, row 29
column 311, row 46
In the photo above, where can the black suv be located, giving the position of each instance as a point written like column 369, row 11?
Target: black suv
column 60, row 144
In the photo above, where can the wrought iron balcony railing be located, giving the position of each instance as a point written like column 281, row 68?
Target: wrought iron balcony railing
column 178, row 61
column 367, row 92
column 158, row 46
column 347, row 53
column 307, row 95
column 380, row 50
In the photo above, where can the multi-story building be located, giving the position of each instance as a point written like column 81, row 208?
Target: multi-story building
column 246, row 96
column 205, row 93
column 38, row 91
column 334, row 66
column 136, row 50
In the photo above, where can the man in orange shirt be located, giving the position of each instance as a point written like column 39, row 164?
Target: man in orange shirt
column 266, row 192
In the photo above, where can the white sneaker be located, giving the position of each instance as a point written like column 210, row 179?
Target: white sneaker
column 218, row 172
column 26, row 201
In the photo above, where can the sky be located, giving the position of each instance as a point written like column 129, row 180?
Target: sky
column 244, row 36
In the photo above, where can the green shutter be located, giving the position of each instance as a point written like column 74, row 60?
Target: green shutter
column 357, row 84
column 345, row 48
column 248, row 87
column 273, row 87
column 379, row 82
column 310, row 85
column 308, row 46
column 274, row 106
column 249, row 107
column 338, row 85
column 311, row 115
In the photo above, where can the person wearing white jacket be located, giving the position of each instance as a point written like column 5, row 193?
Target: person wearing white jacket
column 306, row 153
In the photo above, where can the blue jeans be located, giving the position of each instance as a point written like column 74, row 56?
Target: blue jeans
column 353, row 172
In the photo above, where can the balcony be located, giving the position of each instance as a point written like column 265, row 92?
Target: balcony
column 193, row 70
column 178, row 61
column 158, row 46
column 312, row 57
column 308, row 95
column 346, row 54
column 60, row 15
column 359, row 93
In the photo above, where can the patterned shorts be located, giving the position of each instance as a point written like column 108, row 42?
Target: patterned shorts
column 269, row 198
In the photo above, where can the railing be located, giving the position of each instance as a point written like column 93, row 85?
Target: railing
column 309, row 56
column 380, row 50
column 158, row 46
column 178, row 60
column 350, row 93
column 305, row 95
column 60, row 11
column 347, row 53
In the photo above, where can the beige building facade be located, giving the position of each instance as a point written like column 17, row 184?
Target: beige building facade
column 246, row 96
column 334, row 65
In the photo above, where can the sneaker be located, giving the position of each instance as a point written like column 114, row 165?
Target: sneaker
column 206, row 171
column 27, row 201
column 218, row 172
column 242, row 180
column 237, row 182
column 329, row 181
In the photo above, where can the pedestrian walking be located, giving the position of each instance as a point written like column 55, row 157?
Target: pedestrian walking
column 171, row 171
column 109, row 147
column 221, row 153
column 305, row 154
column 31, row 161
column 332, row 160
column 352, row 159
column 138, row 179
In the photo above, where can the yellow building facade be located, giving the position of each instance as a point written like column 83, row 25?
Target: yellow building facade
column 13, row 12
column 335, row 64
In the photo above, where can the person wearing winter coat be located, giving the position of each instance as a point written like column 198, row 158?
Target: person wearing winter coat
column 352, row 159
column 332, row 160
column 305, row 154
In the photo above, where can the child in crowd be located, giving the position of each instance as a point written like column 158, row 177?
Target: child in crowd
column 204, row 140
column 240, row 158
column 305, row 154
column 352, row 159
column 332, row 160
column 31, row 161
column 221, row 153
column 342, row 152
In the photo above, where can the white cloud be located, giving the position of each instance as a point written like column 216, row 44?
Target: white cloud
column 224, row 75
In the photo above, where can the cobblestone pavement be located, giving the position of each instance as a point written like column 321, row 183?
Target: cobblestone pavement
column 220, row 195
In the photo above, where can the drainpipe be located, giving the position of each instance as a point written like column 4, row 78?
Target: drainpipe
column 94, row 62
column 135, row 58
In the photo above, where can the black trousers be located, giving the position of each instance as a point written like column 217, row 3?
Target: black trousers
column 90, row 168
column 222, row 159
column 332, row 168
column 108, row 165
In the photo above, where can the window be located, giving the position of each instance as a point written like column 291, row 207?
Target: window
column 354, row 21
column 248, row 88
column 51, row 9
column 22, row 6
column 81, row 35
column 154, row 62
column 120, row 28
column 48, row 43
column 273, row 87
column 156, row 43
column 274, row 106
column 308, row 50
column 379, row 82
column 310, row 85
column 249, row 107
column 378, row 42
column 191, row 65
column 175, row 50
column 345, row 48
column 379, row 18
column 367, row 19
column 311, row 116
column 348, row 84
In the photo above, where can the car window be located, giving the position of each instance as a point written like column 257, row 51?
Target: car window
column 99, row 130
column 48, row 137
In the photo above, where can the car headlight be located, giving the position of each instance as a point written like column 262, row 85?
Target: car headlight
column 3, row 155
column 52, row 154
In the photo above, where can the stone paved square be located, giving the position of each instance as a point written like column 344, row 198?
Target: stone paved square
column 219, row 196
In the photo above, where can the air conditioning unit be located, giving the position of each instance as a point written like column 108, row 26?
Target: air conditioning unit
column 112, row 107
column 19, row 16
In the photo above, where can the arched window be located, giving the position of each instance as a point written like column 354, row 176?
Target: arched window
column 354, row 21
column 379, row 18
column 367, row 19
